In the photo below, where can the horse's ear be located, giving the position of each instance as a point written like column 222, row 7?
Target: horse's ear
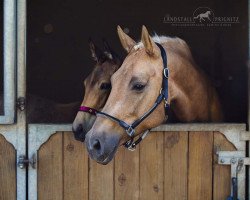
column 107, row 50
column 148, row 42
column 96, row 53
column 110, row 53
column 127, row 42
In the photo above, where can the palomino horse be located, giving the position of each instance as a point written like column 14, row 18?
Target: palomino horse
column 97, row 87
column 135, row 98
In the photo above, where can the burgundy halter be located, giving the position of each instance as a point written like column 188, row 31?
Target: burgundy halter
column 130, row 128
column 89, row 110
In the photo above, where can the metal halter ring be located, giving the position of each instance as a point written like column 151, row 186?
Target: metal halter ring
column 161, row 90
column 130, row 131
column 130, row 144
column 165, row 102
column 165, row 72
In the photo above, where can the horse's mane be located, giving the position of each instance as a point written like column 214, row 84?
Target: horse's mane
column 175, row 42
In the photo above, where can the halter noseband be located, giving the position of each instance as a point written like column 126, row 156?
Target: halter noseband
column 130, row 128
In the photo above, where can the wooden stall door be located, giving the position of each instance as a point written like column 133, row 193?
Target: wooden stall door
column 167, row 165
column 7, row 170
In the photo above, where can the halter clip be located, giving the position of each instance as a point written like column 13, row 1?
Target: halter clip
column 130, row 131
column 166, row 72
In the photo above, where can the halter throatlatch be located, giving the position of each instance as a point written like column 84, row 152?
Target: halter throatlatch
column 130, row 128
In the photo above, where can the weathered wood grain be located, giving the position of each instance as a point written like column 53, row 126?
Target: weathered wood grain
column 200, row 165
column 170, row 165
column 101, row 181
column 175, row 165
column 7, row 170
column 151, row 167
column 50, row 169
column 127, row 174
column 75, row 168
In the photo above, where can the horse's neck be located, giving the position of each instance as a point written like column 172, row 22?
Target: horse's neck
column 185, row 92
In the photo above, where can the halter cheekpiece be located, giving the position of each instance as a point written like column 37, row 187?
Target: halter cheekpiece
column 130, row 128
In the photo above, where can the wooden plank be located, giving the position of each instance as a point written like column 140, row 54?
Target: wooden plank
column 75, row 169
column 50, row 169
column 200, row 165
column 7, row 170
column 127, row 174
column 151, row 167
column 101, row 181
column 175, row 165
column 222, row 173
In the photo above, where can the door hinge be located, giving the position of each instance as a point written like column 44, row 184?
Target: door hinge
column 23, row 162
column 21, row 103
column 237, row 160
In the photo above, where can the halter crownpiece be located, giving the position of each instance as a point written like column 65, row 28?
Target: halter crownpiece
column 130, row 128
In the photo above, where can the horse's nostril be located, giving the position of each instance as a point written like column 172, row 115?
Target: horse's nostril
column 96, row 145
column 79, row 133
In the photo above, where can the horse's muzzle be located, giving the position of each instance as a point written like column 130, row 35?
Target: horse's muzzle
column 82, row 124
column 102, row 147
column 79, row 133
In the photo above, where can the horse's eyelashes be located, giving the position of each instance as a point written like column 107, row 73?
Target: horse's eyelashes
column 105, row 86
column 138, row 86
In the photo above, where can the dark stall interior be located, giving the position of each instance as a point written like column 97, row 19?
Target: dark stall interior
column 58, row 57
column 1, row 57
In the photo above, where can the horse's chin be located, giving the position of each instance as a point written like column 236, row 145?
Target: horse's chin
column 106, row 160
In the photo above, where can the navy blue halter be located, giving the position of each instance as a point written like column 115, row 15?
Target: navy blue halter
column 130, row 128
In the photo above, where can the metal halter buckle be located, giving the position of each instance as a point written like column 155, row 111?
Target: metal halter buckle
column 161, row 90
column 132, row 147
column 165, row 72
column 130, row 144
column 165, row 102
column 130, row 131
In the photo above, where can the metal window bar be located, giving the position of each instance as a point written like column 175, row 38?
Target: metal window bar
column 248, row 168
column 9, row 61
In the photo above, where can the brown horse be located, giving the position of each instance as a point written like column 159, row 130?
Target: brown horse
column 97, row 87
column 136, row 85
column 97, row 90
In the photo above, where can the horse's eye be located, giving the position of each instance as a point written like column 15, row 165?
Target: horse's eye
column 105, row 86
column 138, row 87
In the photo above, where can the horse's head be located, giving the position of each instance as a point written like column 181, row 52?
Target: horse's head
column 135, row 87
column 97, row 87
column 209, row 12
